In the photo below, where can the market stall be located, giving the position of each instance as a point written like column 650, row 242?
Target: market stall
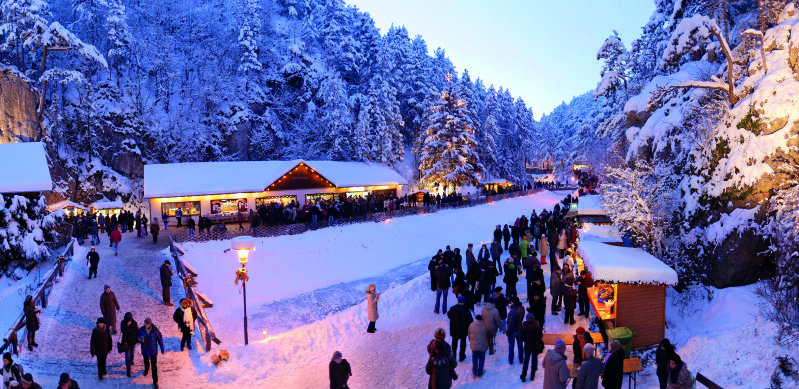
column 69, row 207
column 107, row 208
column 496, row 185
column 630, row 288
column 589, row 210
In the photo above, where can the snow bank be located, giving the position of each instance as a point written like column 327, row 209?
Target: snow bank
column 624, row 264
column 24, row 169
column 737, row 220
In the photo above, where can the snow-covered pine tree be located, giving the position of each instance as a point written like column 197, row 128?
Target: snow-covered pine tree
column 449, row 156
column 25, row 223
column 614, row 72
column 379, row 121
column 332, row 136
column 248, row 37
column 20, row 20
column 119, row 36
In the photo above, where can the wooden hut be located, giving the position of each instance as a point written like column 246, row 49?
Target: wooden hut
column 630, row 288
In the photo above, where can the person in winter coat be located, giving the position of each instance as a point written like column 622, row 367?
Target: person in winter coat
column 151, row 339
column 538, row 307
column 562, row 243
column 165, row 274
column 441, row 335
column 487, row 281
column 511, row 278
column 498, row 233
column 543, row 248
column 116, row 237
column 535, row 278
column 431, row 266
column 555, row 290
column 179, row 216
column 506, row 235
column 492, row 322
column 94, row 260
column 524, row 248
column 94, row 232
column 584, row 282
column 109, row 307
column 101, row 344
column 31, row 321
column 129, row 329
column 614, row 366
column 662, row 355
column 533, row 340
column 470, row 258
column 556, row 372
column 569, row 301
column 552, row 243
column 440, row 366
column 185, row 316
column 28, row 383
column 459, row 320
column 340, row 371
column 496, row 252
column 581, row 338
column 679, row 376
column 144, row 225
column 514, row 333
column 154, row 229
column 478, row 342
column 12, row 375
column 138, row 224
column 443, row 274
column 371, row 300
column 501, row 303
column 484, row 255
column 64, row 382
column 588, row 377
column 190, row 225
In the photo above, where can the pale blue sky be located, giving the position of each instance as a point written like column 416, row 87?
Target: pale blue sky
column 543, row 51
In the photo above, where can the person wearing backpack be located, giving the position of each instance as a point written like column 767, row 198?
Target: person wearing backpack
column 12, row 372
column 441, row 367
column 533, row 340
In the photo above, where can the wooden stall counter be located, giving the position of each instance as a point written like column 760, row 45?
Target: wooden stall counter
column 601, row 309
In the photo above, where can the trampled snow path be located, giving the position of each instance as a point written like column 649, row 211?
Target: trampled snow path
column 67, row 322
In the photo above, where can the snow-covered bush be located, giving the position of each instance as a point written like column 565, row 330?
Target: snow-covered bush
column 24, row 226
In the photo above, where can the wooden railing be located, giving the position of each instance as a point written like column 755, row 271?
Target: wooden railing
column 297, row 228
column 705, row 381
column 187, row 276
column 40, row 297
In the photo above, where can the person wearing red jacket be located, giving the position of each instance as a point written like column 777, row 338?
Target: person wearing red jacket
column 116, row 237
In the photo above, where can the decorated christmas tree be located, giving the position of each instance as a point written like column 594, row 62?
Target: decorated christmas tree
column 449, row 155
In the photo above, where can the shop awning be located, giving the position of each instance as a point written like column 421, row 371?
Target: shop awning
column 66, row 204
column 617, row 264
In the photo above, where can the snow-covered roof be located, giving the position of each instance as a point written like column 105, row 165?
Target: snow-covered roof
column 108, row 205
column 24, row 168
column 66, row 204
column 590, row 206
column 624, row 264
column 496, row 181
column 207, row 178
column 599, row 233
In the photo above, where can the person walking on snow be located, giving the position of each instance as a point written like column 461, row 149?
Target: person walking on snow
column 154, row 229
column 150, row 339
column 184, row 317
column 514, row 333
column 443, row 274
column 555, row 290
column 543, row 248
column 533, row 346
column 109, row 307
column 492, row 323
column 179, row 216
column 588, row 378
column 441, row 335
column 12, row 373
column 556, row 372
column 339, row 371
column 116, row 237
column 679, row 376
column 496, row 252
column 94, row 260
column 166, row 282
column 569, row 301
column 506, row 235
column 129, row 329
column 459, row 320
column 100, row 346
column 371, row 301
column 511, row 278
column 31, row 321
column 478, row 342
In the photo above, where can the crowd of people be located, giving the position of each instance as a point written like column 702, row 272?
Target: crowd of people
column 485, row 309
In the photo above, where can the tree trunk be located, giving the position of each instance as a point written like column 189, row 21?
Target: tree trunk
column 730, row 83
column 44, row 91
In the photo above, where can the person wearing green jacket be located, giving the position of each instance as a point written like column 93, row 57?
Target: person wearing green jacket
column 524, row 247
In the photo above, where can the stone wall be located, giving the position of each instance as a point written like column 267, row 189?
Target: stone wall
column 18, row 101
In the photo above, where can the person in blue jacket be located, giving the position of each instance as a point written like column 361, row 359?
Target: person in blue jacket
column 150, row 338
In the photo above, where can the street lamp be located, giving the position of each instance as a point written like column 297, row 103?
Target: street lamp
column 243, row 245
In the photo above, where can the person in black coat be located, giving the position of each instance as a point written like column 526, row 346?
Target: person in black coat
column 662, row 355
column 569, row 301
column 459, row 320
column 538, row 307
column 64, row 382
column 506, row 235
column 501, row 303
column 31, row 321
column 449, row 256
column 533, row 340
column 129, row 329
column 498, row 234
column 431, row 266
column 185, row 317
column 94, row 260
column 166, row 282
column 584, row 282
column 512, row 272
column 100, row 346
column 581, row 338
column 613, row 373
column 340, row 371
column 443, row 273
column 486, row 284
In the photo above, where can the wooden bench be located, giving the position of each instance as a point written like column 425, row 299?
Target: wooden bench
column 632, row 367
column 569, row 338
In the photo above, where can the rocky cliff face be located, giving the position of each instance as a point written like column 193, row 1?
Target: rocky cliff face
column 18, row 102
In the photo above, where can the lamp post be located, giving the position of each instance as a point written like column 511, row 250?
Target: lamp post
column 243, row 245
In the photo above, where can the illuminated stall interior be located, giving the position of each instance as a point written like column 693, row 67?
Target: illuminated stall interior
column 630, row 288
column 222, row 189
column 107, row 208
column 495, row 184
column 69, row 207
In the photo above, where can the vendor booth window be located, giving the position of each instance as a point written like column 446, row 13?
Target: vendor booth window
column 285, row 200
column 357, row 194
column 189, row 208
column 228, row 206
column 320, row 196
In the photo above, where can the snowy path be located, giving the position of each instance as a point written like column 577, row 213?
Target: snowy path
column 74, row 307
